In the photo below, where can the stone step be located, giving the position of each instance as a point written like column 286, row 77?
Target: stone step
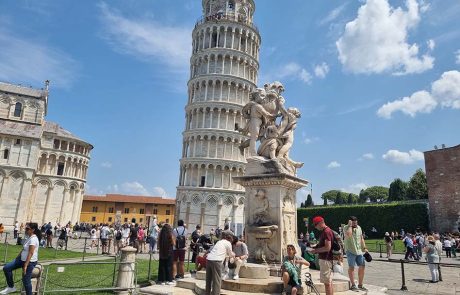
column 273, row 285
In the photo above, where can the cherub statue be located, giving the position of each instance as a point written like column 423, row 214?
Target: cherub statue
column 260, row 213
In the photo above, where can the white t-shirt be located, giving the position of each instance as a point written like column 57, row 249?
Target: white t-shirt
column 447, row 244
column 16, row 226
column 125, row 233
column 221, row 249
column 104, row 232
column 33, row 240
column 180, row 230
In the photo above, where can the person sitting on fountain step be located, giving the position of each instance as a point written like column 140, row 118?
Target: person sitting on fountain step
column 291, row 270
column 241, row 254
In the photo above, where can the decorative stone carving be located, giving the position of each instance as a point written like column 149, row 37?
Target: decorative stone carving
column 260, row 213
column 276, row 138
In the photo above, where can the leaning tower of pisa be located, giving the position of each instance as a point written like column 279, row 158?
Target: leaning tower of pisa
column 223, row 72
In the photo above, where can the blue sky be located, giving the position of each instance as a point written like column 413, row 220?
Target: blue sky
column 377, row 82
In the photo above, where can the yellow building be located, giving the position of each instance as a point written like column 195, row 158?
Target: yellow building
column 113, row 208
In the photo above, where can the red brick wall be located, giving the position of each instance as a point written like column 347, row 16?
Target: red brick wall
column 442, row 168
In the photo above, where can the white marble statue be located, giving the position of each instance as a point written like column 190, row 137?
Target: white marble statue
column 276, row 138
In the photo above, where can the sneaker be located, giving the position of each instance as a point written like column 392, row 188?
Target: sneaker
column 170, row 283
column 362, row 288
column 236, row 277
column 225, row 277
column 354, row 288
column 8, row 290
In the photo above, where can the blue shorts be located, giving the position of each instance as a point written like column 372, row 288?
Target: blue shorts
column 354, row 260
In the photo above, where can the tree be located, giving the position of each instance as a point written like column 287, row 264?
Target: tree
column 339, row 198
column 325, row 202
column 309, row 201
column 418, row 188
column 330, row 196
column 398, row 190
column 375, row 193
column 362, row 197
column 350, row 199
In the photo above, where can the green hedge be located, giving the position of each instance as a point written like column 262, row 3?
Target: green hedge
column 384, row 217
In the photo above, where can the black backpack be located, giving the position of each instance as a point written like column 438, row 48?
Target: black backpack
column 337, row 244
column 118, row 235
column 180, row 240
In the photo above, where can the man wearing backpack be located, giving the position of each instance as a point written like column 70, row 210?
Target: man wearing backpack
column 179, row 233
column 355, row 248
column 324, row 251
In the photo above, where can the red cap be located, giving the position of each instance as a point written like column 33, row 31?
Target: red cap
column 317, row 219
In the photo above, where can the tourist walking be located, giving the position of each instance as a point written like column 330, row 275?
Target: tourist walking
column 153, row 237
column 447, row 247
column 241, row 255
column 180, row 246
column 215, row 259
column 324, row 251
column 438, row 245
column 432, row 258
column 409, row 244
column 2, row 229
column 165, row 242
column 292, row 269
column 389, row 244
column 49, row 237
column 117, row 242
column 27, row 259
column 104, row 239
column 141, row 236
column 93, row 237
column 125, row 235
column 133, row 241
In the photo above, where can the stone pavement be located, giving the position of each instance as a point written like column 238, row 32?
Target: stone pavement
column 388, row 274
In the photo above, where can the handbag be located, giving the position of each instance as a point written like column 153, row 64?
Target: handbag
column 367, row 257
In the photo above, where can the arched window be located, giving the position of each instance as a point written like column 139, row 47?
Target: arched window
column 18, row 109
column 6, row 154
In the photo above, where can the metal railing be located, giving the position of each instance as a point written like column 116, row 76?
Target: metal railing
column 403, row 273
column 53, row 286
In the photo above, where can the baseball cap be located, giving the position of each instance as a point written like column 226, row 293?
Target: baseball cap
column 317, row 220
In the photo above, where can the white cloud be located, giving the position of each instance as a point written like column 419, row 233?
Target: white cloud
column 431, row 44
column 160, row 192
column 27, row 61
column 376, row 41
column 333, row 164
column 294, row 71
column 106, row 165
column 366, row 156
column 419, row 102
column 444, row 92
column 146, row 39
column 457, row 57
column 333, row 14
column 128, row 188
column 321, row 70
column 398, row 157
column 308, row 140
column 355, row 188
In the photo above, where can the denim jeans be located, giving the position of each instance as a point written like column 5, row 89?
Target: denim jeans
column 15, row 264
column 153, row 244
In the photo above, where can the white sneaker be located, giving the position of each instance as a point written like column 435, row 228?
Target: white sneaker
column 8, row 290
column 225, row 277
column 170, row 283
column 236, row 277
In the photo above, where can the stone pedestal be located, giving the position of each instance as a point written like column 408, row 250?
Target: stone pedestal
column 126, row 270
column 270, row 210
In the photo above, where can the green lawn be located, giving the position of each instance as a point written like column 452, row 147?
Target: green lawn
column 12, row 251
column 90, row 276
column 373, row 246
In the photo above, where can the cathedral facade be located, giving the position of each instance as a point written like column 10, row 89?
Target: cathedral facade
column 43, row 167
column 223, row 72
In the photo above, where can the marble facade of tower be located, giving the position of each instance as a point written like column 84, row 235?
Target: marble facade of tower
column 223, row 72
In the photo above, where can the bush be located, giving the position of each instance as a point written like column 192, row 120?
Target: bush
column 384, row 217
